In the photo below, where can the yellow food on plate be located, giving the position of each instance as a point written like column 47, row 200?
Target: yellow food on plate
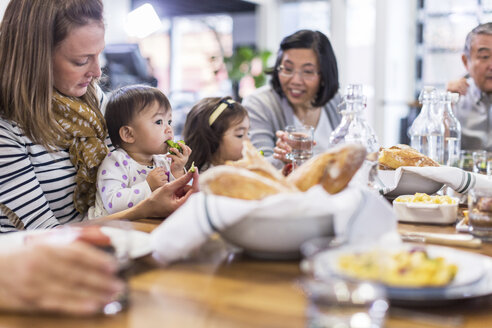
column 407, row 268
column 426, row 199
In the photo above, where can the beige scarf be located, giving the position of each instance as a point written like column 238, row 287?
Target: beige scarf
column 85, row 132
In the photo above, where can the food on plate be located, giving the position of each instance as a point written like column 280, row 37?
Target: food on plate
column 332, row 169
column 175, row 144
column 404, row 268
column 237, row 182
column 426, row 199
column 402, row 155
column 253, row 177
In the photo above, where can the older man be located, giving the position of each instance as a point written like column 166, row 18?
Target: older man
column 474, row 109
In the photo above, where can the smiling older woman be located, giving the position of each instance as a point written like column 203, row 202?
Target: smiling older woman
column 303, row 91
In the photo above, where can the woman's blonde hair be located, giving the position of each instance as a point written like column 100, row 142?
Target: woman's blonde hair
column 29, row 33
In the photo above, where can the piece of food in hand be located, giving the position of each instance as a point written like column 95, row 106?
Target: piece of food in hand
column 173, row 144
column 253, row 161
column 406, row 268
column 333, row 169
column 192, row 168
column 237, row 182
column 402, row 155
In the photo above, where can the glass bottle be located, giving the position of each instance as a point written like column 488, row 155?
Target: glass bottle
column 452, row 129
column 427, row 131
column 354, row 128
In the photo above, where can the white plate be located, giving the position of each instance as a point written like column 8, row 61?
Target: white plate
column 409, row 183
column 473, row 279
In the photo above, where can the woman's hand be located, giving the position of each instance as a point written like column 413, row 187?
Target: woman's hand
column 76, row 279
column 166, row 199
column 460, row 86
column 157, row 178
column 282, row 148
column 179, row 160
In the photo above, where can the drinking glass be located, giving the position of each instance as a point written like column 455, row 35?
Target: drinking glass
column 339, row 303
column 466, row 160
column 300, row 139
column 479, row 161
column 120, row 234
column 480, row 212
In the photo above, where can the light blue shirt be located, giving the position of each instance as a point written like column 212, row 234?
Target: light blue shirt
column 474, row 113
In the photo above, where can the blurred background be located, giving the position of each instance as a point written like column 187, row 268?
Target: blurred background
column 198, row 48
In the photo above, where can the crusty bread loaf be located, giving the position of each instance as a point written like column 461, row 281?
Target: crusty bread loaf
column 403, row 155
column 255, row 162
column 333, row 169
column 237, row 182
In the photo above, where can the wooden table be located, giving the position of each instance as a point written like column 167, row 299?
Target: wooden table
column 220, row 288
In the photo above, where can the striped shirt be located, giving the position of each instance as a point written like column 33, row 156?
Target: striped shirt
column 37, row 185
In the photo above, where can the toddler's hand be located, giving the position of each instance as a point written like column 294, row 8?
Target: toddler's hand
column 179, row 160
column 157, row 177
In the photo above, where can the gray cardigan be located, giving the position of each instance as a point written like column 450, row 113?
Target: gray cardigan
column 268, row 112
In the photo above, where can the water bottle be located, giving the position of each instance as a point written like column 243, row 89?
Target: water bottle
column 427, row 131
column 354, row 128
column 452, row 129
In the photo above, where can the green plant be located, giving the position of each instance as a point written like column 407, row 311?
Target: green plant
column 247, row 61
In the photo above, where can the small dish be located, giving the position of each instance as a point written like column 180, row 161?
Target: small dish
column 425, row 213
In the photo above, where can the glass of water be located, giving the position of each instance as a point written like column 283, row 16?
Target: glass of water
column 300, row 139
column 480, row 161
column 338, row 303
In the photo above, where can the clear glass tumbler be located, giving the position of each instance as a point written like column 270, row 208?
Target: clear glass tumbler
column 300, row 139
column 338, row 303
column 480, row 213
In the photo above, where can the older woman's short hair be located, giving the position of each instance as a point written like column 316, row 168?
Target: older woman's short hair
column 480, row 29
column 307, row 39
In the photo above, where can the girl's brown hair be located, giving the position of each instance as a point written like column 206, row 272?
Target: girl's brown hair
column 204, row 139
column 29, row 33
column 125, row 103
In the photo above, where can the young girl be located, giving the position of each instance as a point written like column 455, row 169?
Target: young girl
column 215, row 129
column 139, row 124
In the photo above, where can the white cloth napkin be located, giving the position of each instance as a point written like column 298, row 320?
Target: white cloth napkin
column 459, row 180
column 359, row 215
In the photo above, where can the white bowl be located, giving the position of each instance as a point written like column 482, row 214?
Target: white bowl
column 409, row 183
column 426, row 213
column 277, row 238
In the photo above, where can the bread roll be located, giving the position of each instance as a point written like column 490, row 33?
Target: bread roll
column 240, row 183
column 333, row 169
column 403, row 155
